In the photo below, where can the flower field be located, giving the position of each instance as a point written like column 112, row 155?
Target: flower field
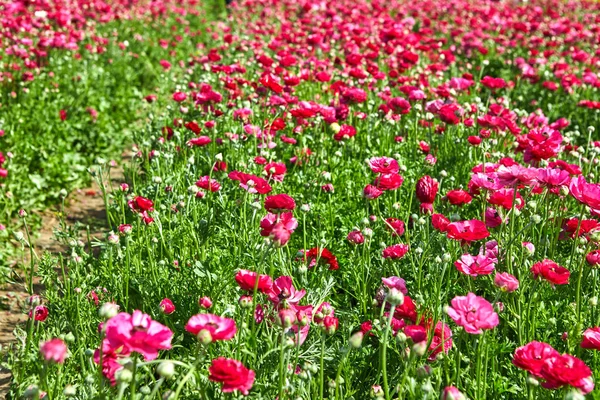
column 343, row 199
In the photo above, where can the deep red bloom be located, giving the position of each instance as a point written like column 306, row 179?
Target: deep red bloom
column 321, row 255
column 395, row 251
column 279, row 203
column 231, row 374
column 395, row 225
column 440, row 222
column 426, row 190
column 458, row 197
column 467, row 231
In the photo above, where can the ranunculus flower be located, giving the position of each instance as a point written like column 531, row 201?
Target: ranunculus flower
column 355, row 237
column 584, row 192
column 384, row 165
column 551, row 272
column 475, row 265
column 591, row 339
column 467, row 231
column 394, row 282
column 54, row 350
column 395, row 251
column 473, row 313
column 279, row 203
column 426, row 190
column 506, row 282
column 219, row 328
column 231, row 374
column 247, row 281
column 531, row 357
column 137, row 332
column 167, row 306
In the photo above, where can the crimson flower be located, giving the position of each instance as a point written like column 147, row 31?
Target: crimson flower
column 231, row 374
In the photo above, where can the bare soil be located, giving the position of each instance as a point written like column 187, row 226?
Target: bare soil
column 84, row 206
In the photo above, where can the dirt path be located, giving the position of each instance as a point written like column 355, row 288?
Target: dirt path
column 84, row 206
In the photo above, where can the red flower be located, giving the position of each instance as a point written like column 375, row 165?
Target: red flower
column 247, row 281
column 504, row 198
column 439, row 222
column 371, row 192
column 250, row 183
column 551, row 271
column 395, row 225
column 388, row 181
column 279, row 203
column 232, row 374
column 316, row 255
column 458, row 197
column 199, row 141
column 346, row 132
column 467, row 231
column 531, row 357
column 566, row 370
column 493, row 83
column 426, row 190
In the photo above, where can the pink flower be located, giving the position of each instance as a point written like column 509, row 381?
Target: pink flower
column 586, row 193
column 591, row 339
column 167, row 306
column 384, row 165
column 205, row 302
column 531, row 357
column 394, row 282
column 473, row 313
column 54, row 350
column 137, row 332
column 283, row 290
column 452, row 393
column 219, row 328
column 473, row 266
column 355, row 237
column 506, row 282
column 395, row 251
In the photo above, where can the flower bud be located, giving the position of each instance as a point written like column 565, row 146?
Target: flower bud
column 108, row 310
column 166, row 369
column 204, row 337
column 356, row 340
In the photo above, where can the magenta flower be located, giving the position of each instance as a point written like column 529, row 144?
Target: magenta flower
column 506, row 282
column 54, row 350
column 394, row 282
column 473, row 266
column 137, row 332
column 473, row 313
column 283, row 290
column 219, row 328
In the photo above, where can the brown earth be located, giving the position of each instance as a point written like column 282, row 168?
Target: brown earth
column 85, row 206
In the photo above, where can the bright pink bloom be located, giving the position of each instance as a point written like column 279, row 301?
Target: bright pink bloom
column 219, row 328
column 394, row 282
column 473, row 313
column 506, row 282
column 137, row 333
column 591, row 339
column 475, row 265
column 355, row 237
column 54, row 350
column 586, row 193
column 283, row 291
column 384, row 165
